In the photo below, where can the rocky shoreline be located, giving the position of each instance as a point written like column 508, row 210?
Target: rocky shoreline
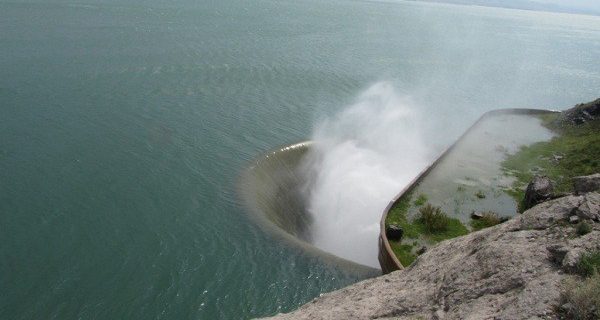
column 514, row 270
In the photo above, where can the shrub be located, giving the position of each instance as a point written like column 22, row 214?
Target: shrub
column 582, row 298
column 589, row 263
column 583, row 228
column 433, row 219
column 421, row 200
column 488, row 219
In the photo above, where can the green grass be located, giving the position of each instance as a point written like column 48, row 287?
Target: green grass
column 454, row 229
column 589, row 263
column 397, row 216
column 578, row 145
column 403, row 252
column 583, row 228
column 421, row 228
column 433, row 219
column 420, row 200
column 488, row 219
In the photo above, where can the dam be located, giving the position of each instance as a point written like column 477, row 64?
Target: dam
column 466, row 177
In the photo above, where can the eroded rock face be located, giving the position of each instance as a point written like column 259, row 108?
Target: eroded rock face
column 538, row 190
column 510, row 271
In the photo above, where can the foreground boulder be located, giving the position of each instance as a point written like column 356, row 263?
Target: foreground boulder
column 539, row 190
column 510, row 271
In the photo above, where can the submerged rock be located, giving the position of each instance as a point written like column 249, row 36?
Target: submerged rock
column 509, row 271
column 539, row 190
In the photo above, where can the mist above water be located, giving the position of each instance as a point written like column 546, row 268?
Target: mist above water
column 361, row 159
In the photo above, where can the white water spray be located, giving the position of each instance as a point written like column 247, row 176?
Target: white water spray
column 361, row 159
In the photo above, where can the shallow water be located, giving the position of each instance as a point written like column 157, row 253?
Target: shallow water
column 470, row 177
column 124, row 126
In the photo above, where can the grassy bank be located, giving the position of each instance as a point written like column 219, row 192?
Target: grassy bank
column 574, row 151
column 430, row 226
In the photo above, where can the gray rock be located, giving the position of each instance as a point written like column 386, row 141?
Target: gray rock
column 582, row 113
column 573, row 219
column 567, row 307
column 394, row 232
column 503, row 272
column 539, row 190
column 590, row 208
column 557, row 253
column 476, row 215
column 586, row 184
column 548, row 213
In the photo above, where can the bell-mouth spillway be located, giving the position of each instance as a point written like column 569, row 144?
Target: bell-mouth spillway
column 270, row 190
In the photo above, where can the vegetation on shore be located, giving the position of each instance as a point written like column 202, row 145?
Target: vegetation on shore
column 487, row 219
column 589, row 263
column 430, row 226
column 574, row 151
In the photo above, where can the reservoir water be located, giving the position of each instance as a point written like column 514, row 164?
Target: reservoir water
column 125, row 125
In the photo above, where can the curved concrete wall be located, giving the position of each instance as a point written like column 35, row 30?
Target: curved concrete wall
column 270, row 191
column 387, row 259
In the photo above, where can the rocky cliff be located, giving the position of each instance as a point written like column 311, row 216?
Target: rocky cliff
column 514, row 270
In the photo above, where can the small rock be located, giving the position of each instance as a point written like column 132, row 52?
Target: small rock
column 439, row 314
column 573, row 219
column 421, row 250
column 571, row 259
column 557, row 253
column 539, row 190
column 476, row 215
column 584, row 184
column 556, row 158
column 394, row 232
column 566, row 307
